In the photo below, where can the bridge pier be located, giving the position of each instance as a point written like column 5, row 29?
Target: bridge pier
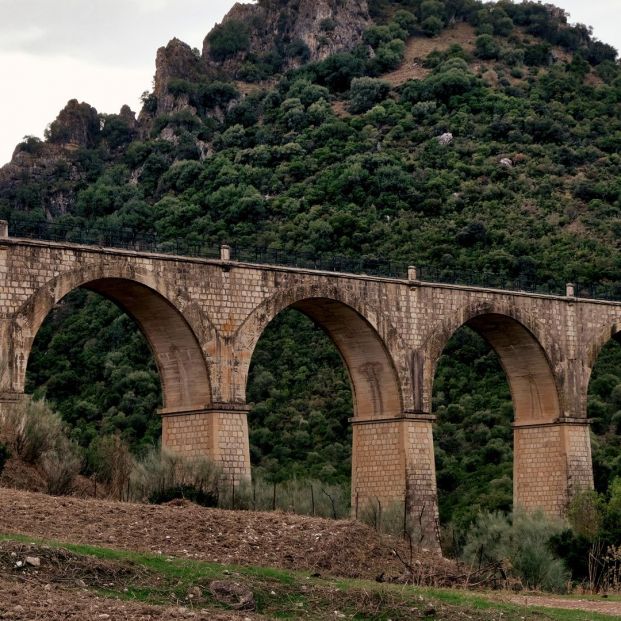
column 552, row 462
column 393, row 474
column 218, row 433
column 9, row 401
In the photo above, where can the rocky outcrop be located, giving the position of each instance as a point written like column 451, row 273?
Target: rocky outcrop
column 322, row 26
column 47, row 170
column 295, row 32
column 77, row 124
column 178, row 61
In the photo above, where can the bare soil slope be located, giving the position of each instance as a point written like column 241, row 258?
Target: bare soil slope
column 343, row 548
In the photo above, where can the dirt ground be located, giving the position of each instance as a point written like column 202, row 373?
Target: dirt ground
column 343, row 548
column 60, row 587
column 185, row 530
column 27, row 601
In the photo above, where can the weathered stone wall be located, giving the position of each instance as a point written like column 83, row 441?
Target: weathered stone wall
column 203, row 319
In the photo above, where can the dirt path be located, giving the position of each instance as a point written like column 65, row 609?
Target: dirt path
column 612, row 608
column 418, row 48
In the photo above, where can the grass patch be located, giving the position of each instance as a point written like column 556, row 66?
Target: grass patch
column 164, row 580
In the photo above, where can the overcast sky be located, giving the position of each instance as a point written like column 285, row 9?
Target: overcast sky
column 103, row 51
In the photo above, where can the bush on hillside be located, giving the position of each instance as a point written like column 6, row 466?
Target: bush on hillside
column 162, row 475
column 519, row 546
column 365, row 93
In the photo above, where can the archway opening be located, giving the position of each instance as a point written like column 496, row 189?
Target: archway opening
column 473, row 438
column 109, row 354
column 604, row 410
column 94, row 366
column 302, row 402
column 494, row 375
column 317, row 364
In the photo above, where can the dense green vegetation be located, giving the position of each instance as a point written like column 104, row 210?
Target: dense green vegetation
column 287, row 169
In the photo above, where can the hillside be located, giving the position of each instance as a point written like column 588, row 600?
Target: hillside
column 328, row 140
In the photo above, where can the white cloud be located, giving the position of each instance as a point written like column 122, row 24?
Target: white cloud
column 45, row 86
column 98, row 51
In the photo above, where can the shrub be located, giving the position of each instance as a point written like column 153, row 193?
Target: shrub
column 38, row 435
column 111, row 462
column 432, row 26
column 60, row 467
column 163, row 475
column 406, row 20
column 365, row 93
column 518, row 546
column 5, row 453
column 32, row 429
column 300, row 496
column 205, row 498
column 327, row 25
column 585, row 514
column 487, row 47
column 228, row 39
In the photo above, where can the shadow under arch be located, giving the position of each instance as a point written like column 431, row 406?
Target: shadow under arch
column 540, row 438
column 602, row 377
column 178, row 355
column 373, row 376
column 609, row 332
column 529, row 371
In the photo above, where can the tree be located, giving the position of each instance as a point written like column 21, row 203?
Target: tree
column 365, row 93
column 228, row 39
column 486, row 47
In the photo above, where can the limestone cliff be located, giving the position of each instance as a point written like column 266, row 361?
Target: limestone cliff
column 280, row 34
column 174, row 61
column 322, row 26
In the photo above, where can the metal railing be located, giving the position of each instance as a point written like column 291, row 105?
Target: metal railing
column 490, row 280
column 129, row 239
column 121, row 237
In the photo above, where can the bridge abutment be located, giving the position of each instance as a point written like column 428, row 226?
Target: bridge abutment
column 218, row 433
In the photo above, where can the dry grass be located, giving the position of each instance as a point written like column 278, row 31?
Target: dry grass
column 418, row 48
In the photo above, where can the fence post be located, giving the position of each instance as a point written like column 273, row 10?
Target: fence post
column 570, row 290
column 225, row 252
column 412, row 272
column 4, row 229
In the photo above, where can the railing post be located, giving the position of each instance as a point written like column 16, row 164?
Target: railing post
column 225, row 252
column 412, row 272
column 570, row 290
column 4, row 229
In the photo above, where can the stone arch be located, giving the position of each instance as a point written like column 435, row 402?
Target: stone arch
column 542, row 468
column 360, row 335
column 175, row 343
column 517, row 339
column 610, row 331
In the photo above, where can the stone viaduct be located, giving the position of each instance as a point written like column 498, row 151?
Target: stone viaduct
column 203, row 318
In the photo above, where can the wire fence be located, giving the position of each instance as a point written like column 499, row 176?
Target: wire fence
column 129, row 239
